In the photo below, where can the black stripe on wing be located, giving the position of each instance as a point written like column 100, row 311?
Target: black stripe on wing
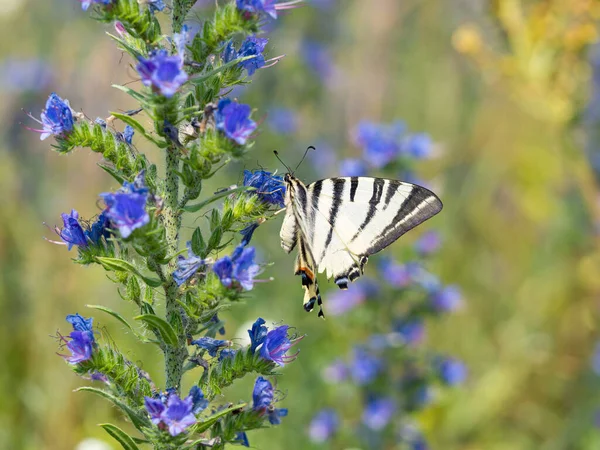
column 373, row 202
column 338, row 190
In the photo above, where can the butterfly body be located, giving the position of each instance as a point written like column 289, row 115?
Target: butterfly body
column 337, row 223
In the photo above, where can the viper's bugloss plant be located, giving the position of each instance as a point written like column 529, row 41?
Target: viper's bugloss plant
column 136, row 236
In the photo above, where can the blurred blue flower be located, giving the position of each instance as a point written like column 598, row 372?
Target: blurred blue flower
column 318, row 58
column 233, row 119
column 395, row 274
column 126, row 210
column 258, row 6
column 155, row 5
column 85, row 4
column 80, row 323
column 364, row 367
column 242, row 438
column 199, row 403
column 353, row 167
column 252, row 46
column 269, row 188
column 429, row 242
column 262, row 399
column 162, row 72
column 282, row 120
column 323, row 425
column 596, row 359
column 381, row 143
column 418, row 146
column 227, row 353
column 276, row 344
column 210, row 344
column 72, row 233
column 238, row 269
column 378, row 412
column 187, row 267
column 21, row 75
column 56, row 118
column 452, row 371
column 81, row 346
column 412, row 330
column 257, row 334
column 128, row 133
column 447, row 299
column 336, row 372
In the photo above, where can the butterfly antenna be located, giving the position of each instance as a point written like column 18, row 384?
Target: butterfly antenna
column 280, row 160
column 305, row 153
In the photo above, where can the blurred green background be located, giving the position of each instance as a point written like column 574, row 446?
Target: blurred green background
column 502, row 86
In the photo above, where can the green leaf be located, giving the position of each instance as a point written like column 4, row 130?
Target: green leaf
column 139, row 97
column 201, row 78
column 138, row 421
column 164, row 328
column 113, row 173
column 198, row 244
column 123, row 438
column 132, row 51
column 210, row 421
column 121, row 319
column 217, row 196
column 138, row 127
column 120, row 265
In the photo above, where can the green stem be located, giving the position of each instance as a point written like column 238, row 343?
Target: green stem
column 174, row 356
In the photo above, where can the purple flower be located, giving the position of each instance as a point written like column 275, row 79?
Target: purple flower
column 252, row 46
column 352, row 167
column 323, row 425
column 411, row 330
column 233, row 119
column 418, row 146
column 242, row 438
column 226, row 353
column 85, row 4
column 257, row 334
column 452, row 371
column 276, row 345
column 155, row 408
column 187, row 267
column 447, row 299
column 378, row 413
column 428, row 243
column 262, row 399
column 364, row 367
column 57, row 118
column 336, row 372
column 269, row 188
column 210, row 344
column 99, row 229
column 80, row 323
column 258, row 6
column 126, row 209
column 128, row 133
column 342, row 301
column 396, row 275
column 162, row 72
column 199, row 403
column 282, row 120
column 155, row 5
column 81, row 346
column 239, row 269
column 380, row 142
column 318, row 58
column 179, row 414
column 99, row 376
column 72, row 232
column 25, row 74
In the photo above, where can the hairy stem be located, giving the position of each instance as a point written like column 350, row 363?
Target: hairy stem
column 180, row 10
column 174, row 356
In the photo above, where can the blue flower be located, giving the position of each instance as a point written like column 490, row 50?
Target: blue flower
column 72, row 232
column 226, row 353
column 128, row 133
column 428, row 243
column 336, row 372
column 411, row 330
column 247, row 232
column 155, row 408
column 210, row 344
column 269, row 188
column 162, row 72
column 199, row 403
column 233, row 119
column 323, row 425
column 258, row 6
column 276, row 345
column 342, row 301
column 239, row 269
column 85, row 4
column 81, row 346
column 262, row 399
column 282, row 120
column 353, row 168
column 396, row 275
column 252, row 46
column 80, row 323
column 318, row 58
column 378, row 413
column 57, row 118
column 452, row 371
column 179, row 414
column 257, row 334
column 127, row 210
column 155, row 5
column 381, row 143
column 99, row 229
column 364, row 367
column 418, row 146
column 242, row 438
column 446, row 299
column 186, row 267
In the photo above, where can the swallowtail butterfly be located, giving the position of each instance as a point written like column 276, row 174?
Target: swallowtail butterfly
column 337, row 223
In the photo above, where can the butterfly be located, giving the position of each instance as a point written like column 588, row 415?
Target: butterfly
column 337, row 223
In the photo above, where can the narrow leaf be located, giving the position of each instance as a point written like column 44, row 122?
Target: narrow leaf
column 139, row 97
column 113, row 173
column 121, row 319
column 138, row 127
column 120, row 265
column 123, row 438
column 138, row 421
column 210, row 421
column 164, row 328
column 214, row 198
column 201, row 78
